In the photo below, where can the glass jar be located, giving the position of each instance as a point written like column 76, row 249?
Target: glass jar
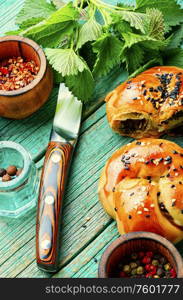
column 18, row 195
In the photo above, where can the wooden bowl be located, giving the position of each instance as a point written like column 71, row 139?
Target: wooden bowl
column 21, row 103
column 134, row 242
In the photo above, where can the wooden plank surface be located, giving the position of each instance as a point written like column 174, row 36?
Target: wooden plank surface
column 86, row 228
column 81, row 203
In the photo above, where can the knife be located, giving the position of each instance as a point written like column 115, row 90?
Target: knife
column 58, row 156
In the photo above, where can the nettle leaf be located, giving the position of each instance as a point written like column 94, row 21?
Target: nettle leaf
column 172, row 12
column 119, row 24
column 135, row 19
column 108, row 49
column 154, row 24
column 133, row 38
column 173, row 57
column 59, row 37
column 82, row 85
column 90, row 31
column 64, row 14
column 134, row 57
column 176, row 38
column 34, row 11
column 59, row 24
column 65, row 61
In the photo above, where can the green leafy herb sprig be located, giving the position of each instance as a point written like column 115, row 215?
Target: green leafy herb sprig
column 85, row 39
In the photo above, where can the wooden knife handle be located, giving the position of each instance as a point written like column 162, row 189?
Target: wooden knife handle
column 50, row 203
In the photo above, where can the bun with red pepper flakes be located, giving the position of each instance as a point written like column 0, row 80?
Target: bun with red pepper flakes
column 147, row 105
column 141, row 186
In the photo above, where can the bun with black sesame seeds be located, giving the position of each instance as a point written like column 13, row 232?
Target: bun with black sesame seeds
column 147, row 105
column 148, row 195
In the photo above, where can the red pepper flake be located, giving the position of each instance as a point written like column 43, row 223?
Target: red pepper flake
column 16, row 73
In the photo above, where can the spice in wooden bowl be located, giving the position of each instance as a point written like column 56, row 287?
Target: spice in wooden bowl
column 145, row 265
column 16, row 73
column 141, row 254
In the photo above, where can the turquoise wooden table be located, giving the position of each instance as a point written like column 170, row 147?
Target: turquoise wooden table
column 86, row 228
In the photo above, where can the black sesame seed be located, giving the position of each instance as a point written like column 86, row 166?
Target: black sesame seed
column 148, row 177
column 138, row 143
column 160, row 144
column 130, row 217
column 132, row 194
column 95, row 260
column 149, row 99
column 127, row 157
column 143, row 85
column 168, row 158
column 168, row 175
column 172, row 186
column 175, row 170
column 135, row 98
column 113, row 189
column 162, row 206
column 147, row 216
column 151, row 89
column 162, row 176
column 115, row 209
column 180, row 182
column 84, row 226
column 158, row 194
column 181, row 167
column 175, row 152
column 145, row 93
column 160, row 88
column 181, row 211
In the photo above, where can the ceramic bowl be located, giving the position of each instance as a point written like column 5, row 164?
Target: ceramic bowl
column 134, row 242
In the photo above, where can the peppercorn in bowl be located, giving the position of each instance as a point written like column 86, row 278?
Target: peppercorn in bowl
column 25, row 78
column 141, row 255
column 19, row 180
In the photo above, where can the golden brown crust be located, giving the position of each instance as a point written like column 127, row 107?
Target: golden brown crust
column 141, row 186
column 154, row 96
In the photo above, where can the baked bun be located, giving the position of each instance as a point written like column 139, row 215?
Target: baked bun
column 141, row 186
column 147, row 105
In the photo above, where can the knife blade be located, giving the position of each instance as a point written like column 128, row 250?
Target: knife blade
column 54, row 175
